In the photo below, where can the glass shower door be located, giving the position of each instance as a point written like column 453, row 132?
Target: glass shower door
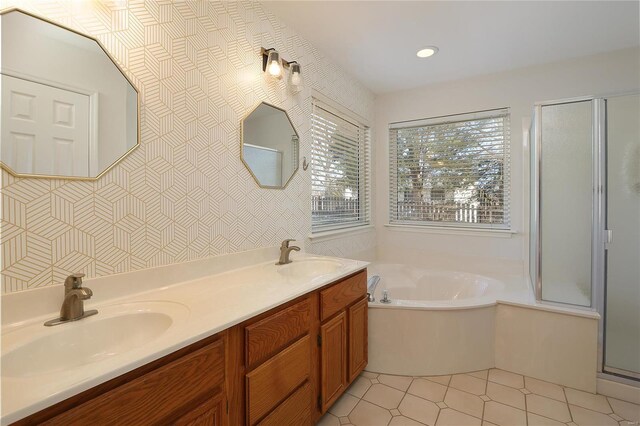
column 566, row 202
column 622, row 309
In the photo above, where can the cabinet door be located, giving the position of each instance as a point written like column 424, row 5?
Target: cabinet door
column 207, row 414
column 357, row 338
column 333, row 373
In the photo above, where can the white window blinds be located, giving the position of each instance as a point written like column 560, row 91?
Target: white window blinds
column 339, row 170
column 451, row 171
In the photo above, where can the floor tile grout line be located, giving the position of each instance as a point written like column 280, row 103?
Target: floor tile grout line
column 462, row 390
column 484, row 403
column 460, row 411
column 354, row 407
column 389, row 419
column 547, row 417
column 440, row 409
column 526, row 404
column 613, row 411
column 350, row 411
column 467, row 392
column 608, row 403
column 626, row 402
column 393, row 375
column 564, row 391
column 384, row 408
column 444, row 397
column 433, row 381
column 513, row 406
column 449, row 380
column 599, row 412
column 409, row 417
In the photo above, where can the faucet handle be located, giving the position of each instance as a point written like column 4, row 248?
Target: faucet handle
column 74, row 280
column 285, row 243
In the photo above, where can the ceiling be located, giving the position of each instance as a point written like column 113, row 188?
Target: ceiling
column 377, row 41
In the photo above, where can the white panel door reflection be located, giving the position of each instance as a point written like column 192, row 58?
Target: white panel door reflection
column 265, row 164
column 45, row 129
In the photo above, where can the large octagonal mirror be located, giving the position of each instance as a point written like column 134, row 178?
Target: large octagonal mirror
column 269, row 146
column 67, row 110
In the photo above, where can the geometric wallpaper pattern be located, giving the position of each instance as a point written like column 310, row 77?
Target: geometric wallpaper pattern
column 184, row 193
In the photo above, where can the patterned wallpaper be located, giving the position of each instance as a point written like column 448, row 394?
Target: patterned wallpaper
column 184, row 193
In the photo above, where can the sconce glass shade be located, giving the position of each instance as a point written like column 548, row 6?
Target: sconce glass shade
column 295, row 75
column 274, row 64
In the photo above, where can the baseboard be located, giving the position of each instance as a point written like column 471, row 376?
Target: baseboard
column 618, row 390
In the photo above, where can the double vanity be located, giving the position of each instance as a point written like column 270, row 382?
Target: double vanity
column 235, row 339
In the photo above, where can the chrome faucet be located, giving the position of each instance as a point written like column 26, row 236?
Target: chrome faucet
column 285, row 251
column 372, row 283
column 73, row 305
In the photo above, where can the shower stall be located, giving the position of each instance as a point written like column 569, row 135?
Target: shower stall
column 585, row 218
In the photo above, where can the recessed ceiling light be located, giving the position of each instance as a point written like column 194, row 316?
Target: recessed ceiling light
column 427, row 51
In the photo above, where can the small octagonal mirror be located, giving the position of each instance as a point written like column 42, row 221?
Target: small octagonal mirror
column 269, row 146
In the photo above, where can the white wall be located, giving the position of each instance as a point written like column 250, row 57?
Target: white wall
column 518, row 89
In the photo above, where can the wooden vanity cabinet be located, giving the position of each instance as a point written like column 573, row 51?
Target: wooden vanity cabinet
column 283, row 367
column 343, row 336
column 183, row 388
column 300, row 357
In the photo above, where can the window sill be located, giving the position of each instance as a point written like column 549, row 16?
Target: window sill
column 451, row 230
column 339, row 233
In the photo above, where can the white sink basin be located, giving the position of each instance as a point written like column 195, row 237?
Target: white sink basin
column 310, row 268
column 116, row 329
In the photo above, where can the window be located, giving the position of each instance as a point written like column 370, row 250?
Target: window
column 451, row 171
column 339, row 170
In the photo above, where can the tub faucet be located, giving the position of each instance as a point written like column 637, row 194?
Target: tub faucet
column 285, row 251
column 73, row 305
column 372, row 283
column 385, row 297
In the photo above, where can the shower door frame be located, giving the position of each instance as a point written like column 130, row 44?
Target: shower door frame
column 611, row 373
column 598, row 220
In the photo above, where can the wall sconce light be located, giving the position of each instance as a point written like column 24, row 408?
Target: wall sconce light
column 274, row 65
column 295, row 75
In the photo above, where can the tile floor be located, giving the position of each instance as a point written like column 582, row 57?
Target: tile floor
column 483, row 398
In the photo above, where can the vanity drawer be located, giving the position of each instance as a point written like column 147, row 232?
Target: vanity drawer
column 270, row 335
column 295, row 410
column 339, row 296
column 156, row 397
column 269, row 384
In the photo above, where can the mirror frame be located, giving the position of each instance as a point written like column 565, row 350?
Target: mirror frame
column 242, row 146
column 111, row 58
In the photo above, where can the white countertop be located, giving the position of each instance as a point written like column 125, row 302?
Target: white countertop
column 220, row 294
